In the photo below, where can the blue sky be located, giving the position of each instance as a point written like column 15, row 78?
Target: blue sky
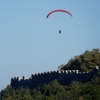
column 30, row 43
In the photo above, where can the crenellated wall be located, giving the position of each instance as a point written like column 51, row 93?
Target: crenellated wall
column 63, row 77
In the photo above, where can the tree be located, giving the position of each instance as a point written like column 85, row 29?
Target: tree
column 84, row 62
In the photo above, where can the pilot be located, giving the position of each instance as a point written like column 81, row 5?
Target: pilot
column 60, row 31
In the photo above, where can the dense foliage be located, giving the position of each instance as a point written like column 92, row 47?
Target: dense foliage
column 83, row 62
column 55, row 91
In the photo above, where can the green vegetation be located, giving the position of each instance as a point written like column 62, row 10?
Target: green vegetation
column 83, row 62
column 55, row 91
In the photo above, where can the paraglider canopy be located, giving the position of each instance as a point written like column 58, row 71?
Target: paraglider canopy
column 58, row 11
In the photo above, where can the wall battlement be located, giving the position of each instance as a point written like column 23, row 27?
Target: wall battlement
column 63, row 77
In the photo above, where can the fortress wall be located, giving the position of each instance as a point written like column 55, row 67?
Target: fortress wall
column 63, row 76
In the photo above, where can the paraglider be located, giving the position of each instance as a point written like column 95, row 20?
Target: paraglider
column 58, row 11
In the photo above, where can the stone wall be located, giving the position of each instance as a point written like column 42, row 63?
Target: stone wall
column 64, row 77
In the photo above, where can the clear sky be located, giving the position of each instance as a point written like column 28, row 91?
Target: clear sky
column 30, row 43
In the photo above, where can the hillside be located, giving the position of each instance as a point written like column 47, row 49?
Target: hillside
column 76, row 90
column 55, row 91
